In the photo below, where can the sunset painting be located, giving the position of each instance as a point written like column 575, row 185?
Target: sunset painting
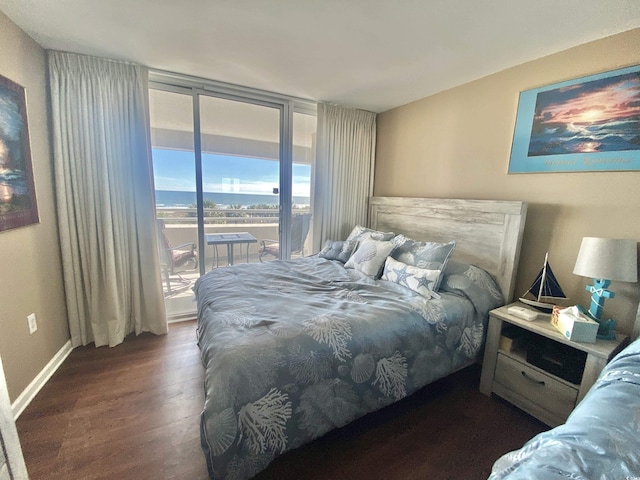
column 598, row 116
column 585, row 124
column 17, row 195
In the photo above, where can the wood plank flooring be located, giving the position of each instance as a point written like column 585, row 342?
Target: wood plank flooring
column 128, row 412
column 132, row 412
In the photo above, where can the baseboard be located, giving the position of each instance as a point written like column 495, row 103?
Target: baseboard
column 181, row 318
column 28, row 394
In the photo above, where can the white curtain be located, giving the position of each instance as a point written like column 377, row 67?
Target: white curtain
column 345, row 156
column 105, row 198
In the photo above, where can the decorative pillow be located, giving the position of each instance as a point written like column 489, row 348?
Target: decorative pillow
column 474, row 283
column 420, row 280
column 359, row 233
column 370, row 256
column 429, row 255
column 335, row 250
column 399, row 240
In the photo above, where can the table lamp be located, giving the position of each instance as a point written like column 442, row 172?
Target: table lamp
column 604, row 260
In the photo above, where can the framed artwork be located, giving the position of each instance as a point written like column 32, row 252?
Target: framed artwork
column 17, row 193
column 587, row 124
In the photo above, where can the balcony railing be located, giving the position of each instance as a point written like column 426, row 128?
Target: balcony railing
column 217, row 216
column 181, row 227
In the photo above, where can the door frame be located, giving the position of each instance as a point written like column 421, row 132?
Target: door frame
column 14, row 468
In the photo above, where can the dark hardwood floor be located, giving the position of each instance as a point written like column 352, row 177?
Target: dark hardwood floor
column 128, row 412
column 132, row 411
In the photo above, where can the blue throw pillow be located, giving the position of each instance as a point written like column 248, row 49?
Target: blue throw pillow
column 335, row 250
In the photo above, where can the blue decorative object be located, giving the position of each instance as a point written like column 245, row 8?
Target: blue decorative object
column 599, row 292
column 545, row 289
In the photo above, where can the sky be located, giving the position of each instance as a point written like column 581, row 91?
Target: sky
column 604, row 100
column 175, row 170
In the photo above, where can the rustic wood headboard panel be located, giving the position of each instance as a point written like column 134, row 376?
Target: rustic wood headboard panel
column 488, row 233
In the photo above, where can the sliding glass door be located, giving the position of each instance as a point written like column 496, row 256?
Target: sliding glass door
column 240, row 145
column 233, row 176
column 174, row 168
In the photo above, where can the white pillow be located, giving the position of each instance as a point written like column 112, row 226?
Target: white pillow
column 370, row 256
column 420, row 280
column 427, row 255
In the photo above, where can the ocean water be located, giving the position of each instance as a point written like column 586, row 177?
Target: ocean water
column 168, row 198
column 559, row 139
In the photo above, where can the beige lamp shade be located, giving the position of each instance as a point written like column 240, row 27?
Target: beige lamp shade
column 608, row 259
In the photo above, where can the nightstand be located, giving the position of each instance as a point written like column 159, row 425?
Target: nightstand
column 542, row 389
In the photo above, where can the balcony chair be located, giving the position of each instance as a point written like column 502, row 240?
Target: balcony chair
column 174, row 260
column 299, row 230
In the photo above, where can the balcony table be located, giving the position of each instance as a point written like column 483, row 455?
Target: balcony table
column 229, row 239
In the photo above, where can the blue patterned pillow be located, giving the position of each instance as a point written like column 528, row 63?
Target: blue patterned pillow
column 335, row 250
column 429, row 255
column 359, row 233
column 472, row 282
column 420, row 280
column 370, row 255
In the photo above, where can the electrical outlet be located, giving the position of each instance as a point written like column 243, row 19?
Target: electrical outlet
column 33, row 325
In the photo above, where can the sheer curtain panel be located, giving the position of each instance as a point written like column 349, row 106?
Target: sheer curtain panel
column 345, row 156
column 105, row 198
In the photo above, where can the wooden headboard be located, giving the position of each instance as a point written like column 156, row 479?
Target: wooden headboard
column 488, row 233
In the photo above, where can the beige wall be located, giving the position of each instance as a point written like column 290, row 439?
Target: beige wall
column 457, row 144
column 30, row 269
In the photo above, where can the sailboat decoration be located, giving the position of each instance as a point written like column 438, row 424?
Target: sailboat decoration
column 544, row 288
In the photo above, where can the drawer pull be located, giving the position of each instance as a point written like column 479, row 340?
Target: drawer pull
column 538, row 382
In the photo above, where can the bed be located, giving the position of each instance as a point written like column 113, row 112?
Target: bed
column 293, row 349
column 600, row 439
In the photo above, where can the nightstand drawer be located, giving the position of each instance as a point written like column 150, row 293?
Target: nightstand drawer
column 535, row 386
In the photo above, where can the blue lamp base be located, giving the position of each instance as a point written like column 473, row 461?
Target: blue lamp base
column 599, row 292
column 606, row 330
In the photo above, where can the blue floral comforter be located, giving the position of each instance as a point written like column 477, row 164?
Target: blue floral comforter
column 293, row 349
column 600, row 439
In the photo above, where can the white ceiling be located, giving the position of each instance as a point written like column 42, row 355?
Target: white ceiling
column 372, row 54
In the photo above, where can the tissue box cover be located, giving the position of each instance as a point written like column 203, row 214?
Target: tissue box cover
column 578, row 328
